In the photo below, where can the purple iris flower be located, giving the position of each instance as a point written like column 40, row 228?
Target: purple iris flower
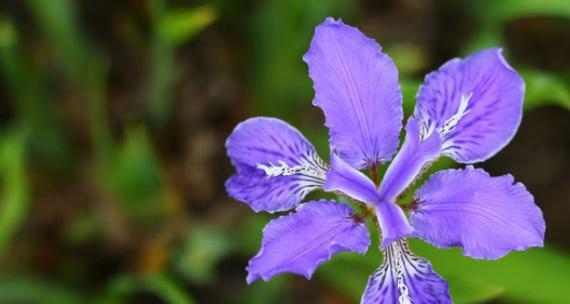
column 467, row 110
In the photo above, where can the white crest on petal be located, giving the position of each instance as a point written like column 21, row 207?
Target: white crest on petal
column 426, row 129
column 404, row 278
column 450, row 124
column 404, row 294
column 311, row 166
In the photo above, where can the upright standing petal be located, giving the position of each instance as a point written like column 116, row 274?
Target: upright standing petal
column 408, row 163
column 356, row 85
column 276, row 165
column 405, row 278
column 300, row 242
column 475, row 104
column 487, row 216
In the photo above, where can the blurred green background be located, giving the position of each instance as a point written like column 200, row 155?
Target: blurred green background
column 113, row 116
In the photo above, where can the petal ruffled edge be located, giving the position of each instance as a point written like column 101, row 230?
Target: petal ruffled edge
column 276, row 165
column 405, row 278
column 486, row 216
column 356, row 86
column 300, row 242
column 474, row 103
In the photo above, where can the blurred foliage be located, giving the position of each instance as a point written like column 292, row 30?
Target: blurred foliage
column 133, row 176
column 171, row 28
column 202, row 251
column 159, row 284
column 58, row 62
column 14, row 193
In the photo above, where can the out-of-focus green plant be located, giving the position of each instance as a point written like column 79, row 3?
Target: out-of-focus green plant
column 34, row 107
column 14, row 192
column 130, row 171
column 202, row 250
column 544, row 88
column 158, row 284
column 57, row 19
column 178, row 26
column 15, row 288
column 134, row 176
column 171, row 28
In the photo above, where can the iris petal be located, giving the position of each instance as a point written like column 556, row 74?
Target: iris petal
column 474, row 103
column 409, row 162
column 300, row 242
column 356, row 86
column 405, row 278
column 487, row 216
column 276, row 165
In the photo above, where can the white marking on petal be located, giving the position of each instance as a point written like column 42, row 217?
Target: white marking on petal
column 405, row 278
column 450, row 124
column 310, row 165
column 404, row 295
column 427, row 128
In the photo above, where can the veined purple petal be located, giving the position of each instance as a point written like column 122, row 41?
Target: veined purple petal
column 356, row 86
column 405, row 278
column 276, row 165
column 342, row 177
column 474, row 103
column 393, row 222
column 300, row 242
column 487, row 216
column 408, row 163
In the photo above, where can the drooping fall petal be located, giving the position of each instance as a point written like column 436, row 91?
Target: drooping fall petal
column 300, row 242
column 474, row 103
column 405, row 278
column 276, row 165
column 486, row 216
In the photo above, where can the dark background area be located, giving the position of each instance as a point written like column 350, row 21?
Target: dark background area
column 113, row 117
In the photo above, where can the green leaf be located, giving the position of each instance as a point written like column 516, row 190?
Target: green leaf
column 33, row 105
column 203, row 249
column 14, row 192
column 18, row 289
column 133, row 176
column 171, row 29
column 409, row 58
column 466, row 290
column 544, row 88
column 537, row 275
column 56, row 18
column 180, row 25
column 159, row 284
column 273, row 291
